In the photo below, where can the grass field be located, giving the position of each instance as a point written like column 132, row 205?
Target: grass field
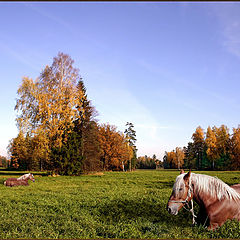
column 113, row 205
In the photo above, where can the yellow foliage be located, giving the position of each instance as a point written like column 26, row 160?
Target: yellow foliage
column 115, row 150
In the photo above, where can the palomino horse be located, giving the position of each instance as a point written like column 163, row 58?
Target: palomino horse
column 21, row 181
column 218, row 202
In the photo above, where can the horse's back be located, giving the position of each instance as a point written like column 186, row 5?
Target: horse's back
column 12, row 182
column 236, row 187
column 11, row 179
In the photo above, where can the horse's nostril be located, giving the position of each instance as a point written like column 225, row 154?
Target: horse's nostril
column 169, row 209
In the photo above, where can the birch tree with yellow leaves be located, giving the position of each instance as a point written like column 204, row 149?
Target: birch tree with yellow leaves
column 179, row 157
column 48, row 106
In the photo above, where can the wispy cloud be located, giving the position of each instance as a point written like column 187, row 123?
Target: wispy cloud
column 229, row 20
column 17, row 55
column 37, row 8
column 72, row 28
column 190, row 84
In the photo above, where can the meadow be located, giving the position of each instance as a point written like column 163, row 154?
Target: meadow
column 112, row 205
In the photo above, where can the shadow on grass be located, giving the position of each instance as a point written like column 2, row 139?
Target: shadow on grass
column 164, row 184
column 129, row 210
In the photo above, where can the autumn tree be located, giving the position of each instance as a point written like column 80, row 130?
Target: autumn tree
column 211, row 143
column 52, row 111
column 49, row 104
column 174, row 159
column 179, row 157
column 114, row 148
column 39, row 151
column 59, row 98
column 19, row 148
column 80, row 151
column 171, row 159
column 235, row 149
column 223, row 146
column 198, row 146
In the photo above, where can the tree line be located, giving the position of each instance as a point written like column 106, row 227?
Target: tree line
column 215, row 149
column 58, row 129
column 146, row 162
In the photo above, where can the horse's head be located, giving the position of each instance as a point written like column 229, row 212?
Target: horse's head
column 31, row 177
column 181, row 194
column 27, row 177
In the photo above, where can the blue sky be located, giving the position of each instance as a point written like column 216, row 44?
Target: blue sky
column 167, row 67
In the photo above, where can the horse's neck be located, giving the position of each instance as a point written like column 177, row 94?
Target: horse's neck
column 24, row 177
column 203, row 199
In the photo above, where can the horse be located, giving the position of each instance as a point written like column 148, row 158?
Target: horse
column 21, row 181
column 218, row 201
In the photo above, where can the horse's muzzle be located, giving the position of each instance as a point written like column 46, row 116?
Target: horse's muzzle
column 173, row 209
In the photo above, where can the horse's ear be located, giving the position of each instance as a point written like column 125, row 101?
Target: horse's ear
column 187, row 176
column 182, row 171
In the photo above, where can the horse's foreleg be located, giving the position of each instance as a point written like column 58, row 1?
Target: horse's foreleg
column 202, row 217
column 217, row 218
column 213, row 226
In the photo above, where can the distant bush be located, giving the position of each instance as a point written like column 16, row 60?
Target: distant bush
column 3, row 162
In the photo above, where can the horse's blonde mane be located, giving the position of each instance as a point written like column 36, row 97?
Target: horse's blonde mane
column 23, row 177
column 178, row 182
column 209, row 185
column 214, row 186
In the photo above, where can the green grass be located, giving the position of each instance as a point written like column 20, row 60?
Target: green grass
column 113, row 205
